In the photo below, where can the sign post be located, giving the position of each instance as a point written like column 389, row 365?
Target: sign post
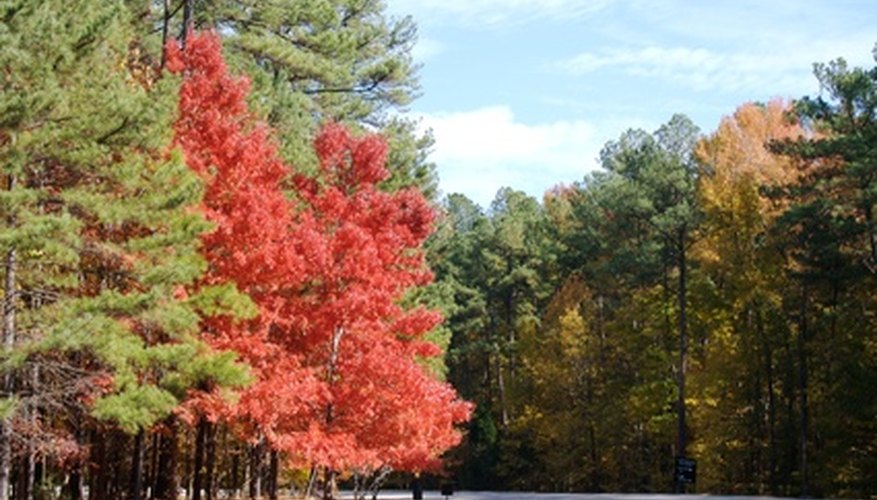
column 685, row 472
column 447, row 490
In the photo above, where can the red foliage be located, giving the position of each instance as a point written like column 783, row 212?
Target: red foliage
column 250, row 245
column 383, row 407
column 335, row 355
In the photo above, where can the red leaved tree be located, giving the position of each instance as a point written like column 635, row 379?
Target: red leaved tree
column 254, row 244
column 339, row 384
column 384, row 408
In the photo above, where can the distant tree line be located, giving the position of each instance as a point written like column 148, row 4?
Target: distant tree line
column 708, row 296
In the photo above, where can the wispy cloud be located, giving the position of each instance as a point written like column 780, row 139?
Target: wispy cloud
column 482, row 150
column 702, row 69
column 426, row 48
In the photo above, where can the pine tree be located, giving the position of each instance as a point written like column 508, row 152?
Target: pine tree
column 655, row 184
column 829, row 237
column 100, row 234
column 312, row 62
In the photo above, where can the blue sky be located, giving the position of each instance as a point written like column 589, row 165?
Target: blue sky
column 524, row 93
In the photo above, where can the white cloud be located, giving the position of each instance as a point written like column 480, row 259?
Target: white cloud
column 780, row 70
column 426, row 48
column 482, row 150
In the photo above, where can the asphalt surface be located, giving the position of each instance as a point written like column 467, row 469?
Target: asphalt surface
column 494, row 495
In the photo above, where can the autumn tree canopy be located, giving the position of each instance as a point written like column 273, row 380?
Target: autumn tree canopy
column 340, row 384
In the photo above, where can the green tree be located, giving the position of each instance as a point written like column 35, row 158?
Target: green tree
column 100, row 235
column 495, row 265
column 625, row 398
column 313, row 62
column 653, row 180
column 453, row 254
column 831, row 244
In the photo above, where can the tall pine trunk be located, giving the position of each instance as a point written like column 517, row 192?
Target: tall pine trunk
column 771, row 403
column 210, row 460
column 166, row 481
column 9, row 294
column 803, row 393
column 197, row 472
column 256, row 470
column 681, row 441
column 165, row 26
column 99, row 465
column 683, row 349
column 273, row 473
column 136, row 484
column 187, row 21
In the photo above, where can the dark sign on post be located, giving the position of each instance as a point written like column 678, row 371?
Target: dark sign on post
column 686, row 470
column 447, row 489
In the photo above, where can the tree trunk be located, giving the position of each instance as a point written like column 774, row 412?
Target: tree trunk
column 500, row 381
column 312, row 480
column 9, row 294
column 273, row 473
column 31, row 479
column 187, row 21
column 235, row 472
column 802, row 391
column 136, row 484
column 166, row 484
column 197, row 472
column 152, row 475
column 330, row 485
column 97, row 467
column 256, row 470
column 210, row 461
column 165, row 27
column 771, row 404
column 871, row 261
column 74, row 485
column 683, row 350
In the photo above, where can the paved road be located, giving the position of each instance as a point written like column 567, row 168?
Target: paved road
column 492, row 495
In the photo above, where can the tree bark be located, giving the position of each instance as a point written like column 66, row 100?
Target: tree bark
column 166, row 483
column 803, row 390
column 210, row 460
column 74, row 485
column 136, row 484
column 273, row 473
column 256, row 470
column 330, row 485
column 165, row 26
column 500, row 381
column 197, row 472
column 32, row 481
column 187, row 21
column 152, row 474
column 771, row 403
column 683, row 350
column 9, row 294
column 235, row 472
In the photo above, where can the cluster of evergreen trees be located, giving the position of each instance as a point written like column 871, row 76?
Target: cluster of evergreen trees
column 709, row 296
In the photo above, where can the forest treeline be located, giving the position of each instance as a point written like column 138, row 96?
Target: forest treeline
column 701, row 295
column 219, row 238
